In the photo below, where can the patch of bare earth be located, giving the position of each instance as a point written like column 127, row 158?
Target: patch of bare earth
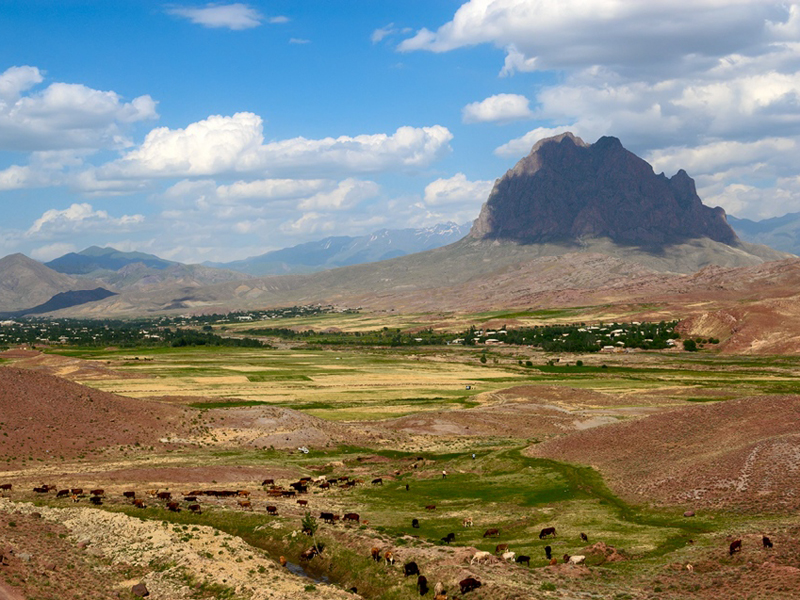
column 742, row 453
column 69, row 367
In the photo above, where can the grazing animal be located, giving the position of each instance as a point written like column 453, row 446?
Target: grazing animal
column 566, row 558
column 74, row 498
column 351, row 517
column 327, row 517
column 440, row 597
column 77, row 491
column 376, row 554
column 584, row 537
column 306, row 530
column 192, row 498
column 548, row 552
column 422, row 585
column 736, row 546
column 243, row 493
column 480, row 556
column 553, row 561
column 467, row 522
column 389, row 557
column 689, row 568
column 766, row 542
column 98, row 492
column 152, row 493
column 195, row 508
column 140, row 503
column 577, row 559
column 96, row 500
column 430, row 507
column 130, row 495
column 438, row 589
column 6, row 487
column 377, row 481
column 547, row 531
column 174, row 507
column 41, row 490
column 163, row 495
column 245, row 504
column 308, row 554
column 500, row 548
column 450, row 537
column 415, row 523
column 468, row 584
column 509, row 556
column 493, row 532
column 410, row 568
column 272, row 510
column 523, row 559
column 268, row 482
column 62, row 493
column 282, row 560
column 303, row 502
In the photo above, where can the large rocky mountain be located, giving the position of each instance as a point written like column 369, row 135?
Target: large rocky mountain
column 25, row 282
column 566, row 190
column 342, row 251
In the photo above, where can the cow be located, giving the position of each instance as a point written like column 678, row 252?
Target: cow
column 173, row 506
column 98, row 492
column 548, row 552
column 438, row 589
column 41, row 490
column 309, row 554
column 389, row 557
column 736, row 546
column 467, row 522
column 6, row 487
column 327, row 517
column 152, row 493
column 62, row 493
column 303, row 502
column 468, row 584
column 577, row 559
column 139, row 503
column 268, row 482
column 566, row 558
column 283, row 561
column 415, row 523
column 410, row 568
column 272, row 510
column 245, row 504
column 195, row 508
column 480, row 556
column 553, row 561
column 325, row 486
column 430, row 507
column 74, row 497
column 509, row 556
column 77, row 491
column 192, row 498
column 375, row 552
column 243, row 493
column 523, row 559
column 584, row 537
column 547, row 531
column 450, row 537
column 766, row 542
column 377, row 481
column 500, row 548
column 130, row 495
column 164, row 496
column 96, row 500
column 422, row 585
column 351, row 517
column 493, row 532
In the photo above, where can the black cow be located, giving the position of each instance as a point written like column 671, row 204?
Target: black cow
column 736, row 546
column 548, row 552
column 469, row 584
column 410, row 568
column 415, row 523
column 547, row 531
column 523, row 559
column 450, row 537
column 422, row 585
column 584, row 537
column 766, row 541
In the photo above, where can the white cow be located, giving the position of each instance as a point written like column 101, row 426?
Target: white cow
column 509, row 556
column 480, row 556
column 577, row 560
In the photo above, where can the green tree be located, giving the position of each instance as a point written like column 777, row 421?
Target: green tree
column 690, row 345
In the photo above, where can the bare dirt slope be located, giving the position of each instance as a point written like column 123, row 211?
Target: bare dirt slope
column 69, row 367
column 49, row 417
column 741, row 453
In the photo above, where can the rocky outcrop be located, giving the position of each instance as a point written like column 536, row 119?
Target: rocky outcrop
column 566, row 190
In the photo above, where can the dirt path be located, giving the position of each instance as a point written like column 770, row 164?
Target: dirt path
column 9, row 593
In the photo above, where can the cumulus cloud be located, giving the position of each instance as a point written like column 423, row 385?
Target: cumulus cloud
column 236, row 16
column 348, row 194
column 80, row 216
column 64, row 115
column 457, row 190
column 500, row 108
column 51, row 251
column 235, row 144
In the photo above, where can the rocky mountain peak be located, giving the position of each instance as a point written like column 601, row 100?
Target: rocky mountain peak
column 566, row 190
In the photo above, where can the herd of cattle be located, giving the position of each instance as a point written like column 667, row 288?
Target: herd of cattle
column 243, row 501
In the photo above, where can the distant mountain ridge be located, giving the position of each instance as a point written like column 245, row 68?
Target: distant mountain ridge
column 95, row 258
column 781, row 233
column 342, row 251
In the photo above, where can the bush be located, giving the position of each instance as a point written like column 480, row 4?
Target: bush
column 690, row 345
column 548, row 586
column 579, row 363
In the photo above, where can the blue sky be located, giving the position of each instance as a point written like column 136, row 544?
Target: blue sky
column 202, row 131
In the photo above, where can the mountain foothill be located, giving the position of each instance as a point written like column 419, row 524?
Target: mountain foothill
column 570, row 224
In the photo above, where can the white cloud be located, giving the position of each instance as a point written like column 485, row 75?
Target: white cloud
column 64, row 115
column 267, row 189
column 500, row 108
column 299, row 41
column 51, row 251
column 379, row 34
column 235, row 144
column 236, row 16
column 279, row 20
column 348, row 194
column 80, row 216
column 457, row 190
column 521, row 146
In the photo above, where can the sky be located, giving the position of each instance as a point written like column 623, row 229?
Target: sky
column 218, row 131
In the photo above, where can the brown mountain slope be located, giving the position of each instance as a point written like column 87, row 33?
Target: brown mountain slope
column 48, row 417
column 740, row 453
column 25, row 283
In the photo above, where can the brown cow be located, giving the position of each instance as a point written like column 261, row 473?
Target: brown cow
column 98, row 492
column 62, row 493
column 164, row 496
column 389, row 557
column 430, row 507
column 77, row 491
column 272, row 510
column 547, row 531
column 493, row 532
column 500, row 548
column 468, row 584
column 351, row 517
column 303, row 502
column 6, row 487
column 268, row 482
column 376, row 554
column 195, row 508
column 584, row 537
column 173, row 506
column 130, row 495
column 139, row 503
column 736, row 546
column 245, row 504
column 309, row 554
column 283, row 561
